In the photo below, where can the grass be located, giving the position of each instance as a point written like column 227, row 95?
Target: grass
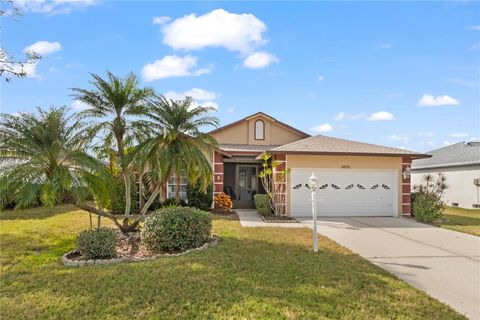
column 463, row 220
column 253, row 273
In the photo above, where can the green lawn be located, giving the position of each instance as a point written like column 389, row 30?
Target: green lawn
column 463, row 220
column 253, row 273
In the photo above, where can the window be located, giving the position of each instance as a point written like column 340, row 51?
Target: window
column 259, row 130
column 172, row 186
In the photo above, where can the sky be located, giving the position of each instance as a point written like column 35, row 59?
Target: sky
column 401, row 74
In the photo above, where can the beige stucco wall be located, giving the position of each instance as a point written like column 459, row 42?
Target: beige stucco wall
column 243, row 133
column 237, row 134
column 354, row 162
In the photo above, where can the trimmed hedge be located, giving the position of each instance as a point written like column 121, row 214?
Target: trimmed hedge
column 176, row 229
column 97, row 243
column 262, row 204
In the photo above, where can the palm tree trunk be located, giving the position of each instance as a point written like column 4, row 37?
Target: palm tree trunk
column 150, row 201
column 91, row 222
column 128, row 199
column 99, row 220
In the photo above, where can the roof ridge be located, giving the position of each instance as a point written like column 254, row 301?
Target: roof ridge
column 253, row 115
column 371, row 144
column 293, row 142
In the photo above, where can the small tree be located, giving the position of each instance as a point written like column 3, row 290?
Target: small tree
column 270, row 176
column 428, row 205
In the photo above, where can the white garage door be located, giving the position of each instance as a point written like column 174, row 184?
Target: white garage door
column 345, row 192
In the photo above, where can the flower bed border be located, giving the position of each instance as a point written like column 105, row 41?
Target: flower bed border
column 81, row 263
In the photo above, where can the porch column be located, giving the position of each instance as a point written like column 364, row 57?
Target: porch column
column 217, row 173
column 280, row 183
column 406, row 189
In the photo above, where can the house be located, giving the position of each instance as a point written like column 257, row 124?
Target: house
column 355, row 178
column 460, row 163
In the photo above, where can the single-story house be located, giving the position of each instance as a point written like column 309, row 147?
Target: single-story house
column 460, row 164
column 354, row 178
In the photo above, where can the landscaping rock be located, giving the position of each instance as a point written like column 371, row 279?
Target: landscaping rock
column 68, row 258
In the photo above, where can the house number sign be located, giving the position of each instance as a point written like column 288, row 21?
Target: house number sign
column 345, row 166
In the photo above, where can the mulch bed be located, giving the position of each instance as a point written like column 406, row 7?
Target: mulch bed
column 129, row 248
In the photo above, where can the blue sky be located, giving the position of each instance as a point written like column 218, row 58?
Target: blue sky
column 400, row 74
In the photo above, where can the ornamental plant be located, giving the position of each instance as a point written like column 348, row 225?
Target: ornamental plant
column 427, row 205
column 97, row 243
column 176, row 229
column 223, row 202
column 270, row 176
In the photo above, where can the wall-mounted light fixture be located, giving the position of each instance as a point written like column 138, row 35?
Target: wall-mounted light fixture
column 406, row 173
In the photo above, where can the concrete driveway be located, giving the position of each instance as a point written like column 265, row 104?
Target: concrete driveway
column 443, row 263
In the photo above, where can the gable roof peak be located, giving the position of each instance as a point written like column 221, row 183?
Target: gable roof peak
column 260, row 113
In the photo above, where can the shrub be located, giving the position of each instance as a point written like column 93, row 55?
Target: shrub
column 223, row 202
column 172, row 229
column 97, row 243
column 117, row 198
column 172, row 202
column 427, row 207
column 427, row 204
column 199, row 199
column 262, row 204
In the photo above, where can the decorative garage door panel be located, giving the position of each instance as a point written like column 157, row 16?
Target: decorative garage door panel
column 346, row 192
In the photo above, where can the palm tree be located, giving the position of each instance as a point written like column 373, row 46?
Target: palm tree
column 113, row 105
column 43, row 159
column 176, row 145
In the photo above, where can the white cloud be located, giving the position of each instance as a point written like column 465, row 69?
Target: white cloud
column 52, row 7
column 79, row 105
column 231, row 110
column 320, row 78
column 477, row 27
column 385, row 45
column 218, row 28
column 446, row 143
column 195, row 93
column 476, row 46
column 343, row 116
column 459, row 135
column 259, row 60
column 431, row 101
column 425, row 133
column 399, row 138
column 172, row 66
column 43, row 47
column 161, row 20
column 381, row 116
column 323, row 128
column 200, row 97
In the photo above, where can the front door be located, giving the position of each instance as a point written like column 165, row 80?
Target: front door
column 246, row 186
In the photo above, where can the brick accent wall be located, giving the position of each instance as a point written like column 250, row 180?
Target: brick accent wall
column 280, row 183
column 217, row 173
column 406, row 190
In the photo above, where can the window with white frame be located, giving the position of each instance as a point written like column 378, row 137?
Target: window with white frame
column 172, row 185
column 259, row 130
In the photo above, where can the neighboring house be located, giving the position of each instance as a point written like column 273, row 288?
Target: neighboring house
column 460, row 163
column 355, row 178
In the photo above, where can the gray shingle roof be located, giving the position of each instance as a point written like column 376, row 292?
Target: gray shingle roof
column 246, row 147
column 458, row 154
column 327, row 145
